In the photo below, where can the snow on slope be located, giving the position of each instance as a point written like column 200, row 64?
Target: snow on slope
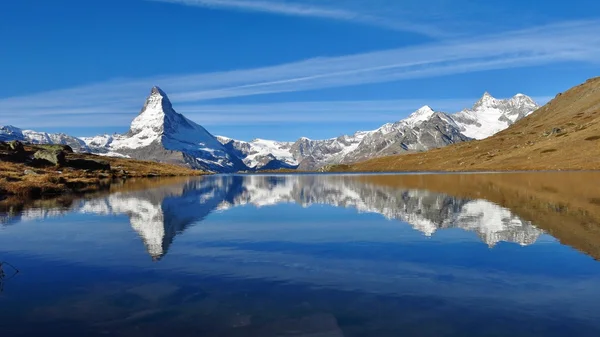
column 160, row 133
column 490, row 115
column 8, row 133
column 422, row 130
column 259, row 153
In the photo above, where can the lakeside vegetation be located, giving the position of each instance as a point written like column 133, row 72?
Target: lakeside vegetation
column 39, row 171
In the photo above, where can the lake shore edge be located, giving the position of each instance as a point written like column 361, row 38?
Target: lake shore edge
column 32, row 172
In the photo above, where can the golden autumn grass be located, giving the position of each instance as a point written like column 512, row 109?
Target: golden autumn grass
column 565, row 204
column 52, row 181
column 562, row 135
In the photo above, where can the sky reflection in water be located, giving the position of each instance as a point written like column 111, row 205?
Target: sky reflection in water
column 291, row 255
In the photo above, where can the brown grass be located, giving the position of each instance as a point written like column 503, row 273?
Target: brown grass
column 52, row 181
column 520, row 147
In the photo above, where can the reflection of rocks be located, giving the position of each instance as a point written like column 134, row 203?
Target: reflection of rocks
column 159, row 214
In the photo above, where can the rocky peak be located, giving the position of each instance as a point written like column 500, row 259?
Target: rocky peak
column 421, row 115
column 158, row 99
column 523, row 100
column 9, row 132
column 486, row 100
column 157, row 109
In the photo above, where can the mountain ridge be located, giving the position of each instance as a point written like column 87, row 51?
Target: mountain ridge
column 423, row 130
column 161, row 134
column 561, row 135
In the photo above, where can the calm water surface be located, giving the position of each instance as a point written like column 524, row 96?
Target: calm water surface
column 453, row 255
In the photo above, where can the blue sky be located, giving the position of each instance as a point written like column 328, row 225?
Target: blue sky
column 283, row 68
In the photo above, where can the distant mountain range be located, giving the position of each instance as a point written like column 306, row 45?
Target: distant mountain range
column 160, row 133
column 561, row 135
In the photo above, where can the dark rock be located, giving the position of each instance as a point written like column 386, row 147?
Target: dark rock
column 16, row 146
column 89, row 164
column 54, row 157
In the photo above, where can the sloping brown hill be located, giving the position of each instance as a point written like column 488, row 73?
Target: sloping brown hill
column 562, row 135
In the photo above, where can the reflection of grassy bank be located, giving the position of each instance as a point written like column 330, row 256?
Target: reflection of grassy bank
column 23, row 178
column 566, row 205
column 13, row 205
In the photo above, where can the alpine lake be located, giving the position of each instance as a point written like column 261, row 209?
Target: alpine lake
column 319, row 255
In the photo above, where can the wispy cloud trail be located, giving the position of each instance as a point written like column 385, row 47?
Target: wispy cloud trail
column 567, row 42
column 358, row 11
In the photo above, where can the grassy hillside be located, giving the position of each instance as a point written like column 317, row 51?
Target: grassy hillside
column 562, row 135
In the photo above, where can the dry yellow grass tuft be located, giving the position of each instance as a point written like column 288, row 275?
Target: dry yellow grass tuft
column 562, row 135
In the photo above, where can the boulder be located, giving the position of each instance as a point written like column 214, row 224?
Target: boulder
column 89, row 164
column 16, row 146
column 55, row 147
column 54, row 157
column 13, row 151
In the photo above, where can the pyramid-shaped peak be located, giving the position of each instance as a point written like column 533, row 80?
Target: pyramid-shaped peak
column 486, row 97
column 158, row 100
column 424, row 109
column 422, row 114
column 156, row 90
column 485, row 100
column 154, row 113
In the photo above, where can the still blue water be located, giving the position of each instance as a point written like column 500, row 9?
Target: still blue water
column 290, row 256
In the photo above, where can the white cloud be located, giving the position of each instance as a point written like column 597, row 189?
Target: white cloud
column 567, row 42
column 359, row 11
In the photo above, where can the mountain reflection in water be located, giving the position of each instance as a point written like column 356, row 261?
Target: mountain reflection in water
column 309, row 255
column 159, row 214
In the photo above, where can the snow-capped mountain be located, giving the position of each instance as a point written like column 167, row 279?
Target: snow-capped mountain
column 423, row 130
column 159, row 133
column 159, row 214
column 490, row 115
column 9, row 132
column 263, row 154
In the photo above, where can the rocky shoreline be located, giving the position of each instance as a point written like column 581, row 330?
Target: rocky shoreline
column 31, row 171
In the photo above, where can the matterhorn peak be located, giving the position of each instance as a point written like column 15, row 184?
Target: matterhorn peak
column 157, row 99
column 156, row 90
column 154, row 113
